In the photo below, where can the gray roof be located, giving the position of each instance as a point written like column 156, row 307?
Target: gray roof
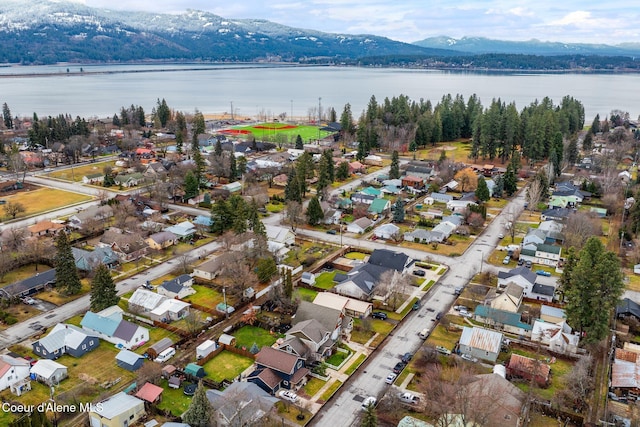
column 388, row 259
column 227, row 401
column 128, row 357
column 543, row 289
column 627, row 307
column 27, row 285
column 176, row 285
column 64, row 335
column 327, row 317
column 125, row 330
column 146, row 299
column 523, row 271
column 311, row 328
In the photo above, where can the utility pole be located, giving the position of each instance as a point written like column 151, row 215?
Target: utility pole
column 231, row 110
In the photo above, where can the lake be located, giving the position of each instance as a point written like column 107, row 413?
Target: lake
column 252, row 89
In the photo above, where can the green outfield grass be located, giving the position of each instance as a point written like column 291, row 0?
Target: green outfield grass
column 268, row 131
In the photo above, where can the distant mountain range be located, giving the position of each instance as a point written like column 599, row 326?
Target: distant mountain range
column 481, row 45
column 52, row 31
column 41, row 31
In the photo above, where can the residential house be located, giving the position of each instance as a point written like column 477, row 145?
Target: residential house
column 150, row 393
column 628, row 308
column 415, row 169
column 48, row 372
column 552, row 314
column 109, row 325
column 548, row 255
column 373, row 160
column 379, row 207
column 89, row 260
column 438, row 198
column 560, row 214
column 393, row 260
column 129, row 360
column 129, row 180
column 242, row 403
column 420, row 235
column 357, row 167
column 459, row 205
column 360, row 225
column 509, row 299
column 482, row 343
column 232, row 187
column 365, row 199
column 277, row 369
column 120, row 410
column 13, row 370
column 521, row 276
column 387, row 231
column 209, row 269
column 542, row 292
column 413, row 182
column 179, row 287
column 331, row 215
column 372, row 191
column 93, row 179
column 599, row 212
column 45, row 228
column 30, row 285
column 280, row 235
column 505, row 400
column 556, row 336
column 507, row 321
column 99, row 213
column 128, row 246
column 65, row 339
column 183, row 230
column 161, row 240
column 170, row 310
column 450, row 186
column 155, row 171
column 360, row 282
column 391, row 189
column 533, row 238
column 349, row 306
column 143, row 301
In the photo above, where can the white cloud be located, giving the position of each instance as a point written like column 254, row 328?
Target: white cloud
column 579, row 17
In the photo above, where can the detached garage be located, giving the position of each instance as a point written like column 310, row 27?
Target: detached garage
column 129, row 360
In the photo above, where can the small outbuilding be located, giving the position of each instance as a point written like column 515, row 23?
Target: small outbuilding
column 48, row 372
column 150, row 393
column 308, row 278
column 129, row 360
column 227, row 340
column 205, row 349
column 159, row 347
column 194, row 370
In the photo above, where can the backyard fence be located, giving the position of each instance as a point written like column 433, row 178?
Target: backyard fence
column 174, row 329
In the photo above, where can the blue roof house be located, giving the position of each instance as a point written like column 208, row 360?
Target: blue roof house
column 110, row 326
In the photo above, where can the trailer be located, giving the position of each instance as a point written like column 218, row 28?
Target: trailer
column 205, row 349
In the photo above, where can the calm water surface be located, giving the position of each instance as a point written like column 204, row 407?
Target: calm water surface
column 102, row 90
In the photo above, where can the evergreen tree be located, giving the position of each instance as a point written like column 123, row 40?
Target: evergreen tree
column 288, row 283
column 499, row 187
column 292, row 189
column 370, row 418
column 595, row 284
column 163, row 112
column 342, row 173
column 233, row 168
column 191, row 187
column 398, row 210
column 221, row 217
column 571, row 259
column 482, row 192
column 66, row 272
column 179, row 141
column 218, row 148
column 266, row 269
column 572, row 151
column 555, row 155
column 242, row 165
column 299, row 143
column 394, row 170
column 331, row 173
column 587, row 143
column 200, row 411
column 115, row 120
column 103, row 290
column 510, row 181
column 6, row 116
column 314, row 211
column 595, row 125
column 363, row 150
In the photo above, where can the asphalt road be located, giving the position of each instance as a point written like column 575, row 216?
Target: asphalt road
column 345, row 408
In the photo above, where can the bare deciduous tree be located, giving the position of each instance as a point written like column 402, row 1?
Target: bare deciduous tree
column 534, row 193
column 580, row 226
column 294, row 214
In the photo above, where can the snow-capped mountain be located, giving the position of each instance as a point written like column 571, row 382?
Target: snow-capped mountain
column 481, row 45
column 47, row 31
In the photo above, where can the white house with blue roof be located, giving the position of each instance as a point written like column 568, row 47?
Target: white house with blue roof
column 109, row 325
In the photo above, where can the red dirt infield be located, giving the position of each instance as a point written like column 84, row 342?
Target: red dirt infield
column 275, row 127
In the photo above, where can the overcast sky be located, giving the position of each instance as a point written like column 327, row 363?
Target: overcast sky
column 586, row 21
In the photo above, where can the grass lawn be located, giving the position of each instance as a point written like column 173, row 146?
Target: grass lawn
column 634, row 281
column 332, row 389
column 443, row 337
column 355, row 255
column 75, row 174
column 305, row 294
column 290, row 412
column 248, row 335
column 559, row 370
column 274, row 208
column 325, row 280
column 313, row 386
column 226, row 365
column 23, row 273
column 354, row 365
column 337, row 358
column 205, row 296
column 45, row 200
column 21, row 312
column 173, row 399
column 58, row 298
column 268, row 131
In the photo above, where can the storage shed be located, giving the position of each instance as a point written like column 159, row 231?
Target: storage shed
column 205, row 349
column 129, row 360
column 194, row 370
column 227, row 340
column 159, row 347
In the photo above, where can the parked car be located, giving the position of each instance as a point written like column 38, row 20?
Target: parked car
column 420, row 273
column 416, row 306
column 465, row 313
column 369, row 401
column 399, row 367
column 331, row 232
column 288, row 395
column 379, row 315
column 409, row 398
column 506, row 259
column 391, row 378
column 439, row 316
column 459, row 307
column 543, row 273
column 520, row 262
column 528, row 264
column 443, row 350
column 469, row 358
column 28, row 301
column 458, row 291
column 406, row 358
column 500, row 236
